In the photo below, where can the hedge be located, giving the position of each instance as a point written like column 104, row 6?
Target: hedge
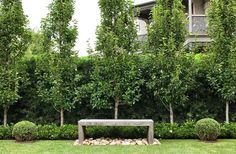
column 6, row 132
column 203, row 101
column 162, row 131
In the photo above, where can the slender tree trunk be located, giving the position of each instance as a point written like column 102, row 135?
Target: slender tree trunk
column 171, row 114
column 117, row 101
column 227, row 112
column 5, row 117
column 62, row 117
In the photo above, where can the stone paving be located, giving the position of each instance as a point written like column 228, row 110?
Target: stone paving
column 108, row 141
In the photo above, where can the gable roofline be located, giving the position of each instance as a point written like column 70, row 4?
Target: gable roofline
column 150, row 2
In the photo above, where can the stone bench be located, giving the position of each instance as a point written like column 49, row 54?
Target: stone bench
column 100, row 122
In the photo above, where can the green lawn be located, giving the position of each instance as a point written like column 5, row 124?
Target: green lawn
column 168, row 146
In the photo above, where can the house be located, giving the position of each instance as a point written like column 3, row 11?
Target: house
column 195, row 13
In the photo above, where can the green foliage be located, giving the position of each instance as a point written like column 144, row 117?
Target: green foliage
column 24, row 131
column 229, row 88
column 175, row 131
column 228, row 130
column 5, row 132
column 117, row 31
column 30, row 104
column 167, row 28
column 56, row 84
column 62, row 63
column 169, row 84
column 53, row 132
column 69, row 132
column 115, row 77
column 43, row 77
column 170, row 77
column 85, row 68
column 13, row 31
column 50, row 132
column 222, row 21
column 186, row 130
column 52, row 77
column 14, row 38
column 9, row 86
column 202, row 100
column 36, row 44
column 207, row 129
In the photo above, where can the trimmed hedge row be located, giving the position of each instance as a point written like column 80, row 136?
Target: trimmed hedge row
column 203, row 101
column 6, row 132
column 45, row 132
column 162, row 131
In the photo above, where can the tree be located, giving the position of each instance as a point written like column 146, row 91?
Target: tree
column 14, row 38
column 222, row 21
column 115, row 79
column 59, row 36
column 168, row 24
column 117, row 29
column 36, row 44
column 166, row 35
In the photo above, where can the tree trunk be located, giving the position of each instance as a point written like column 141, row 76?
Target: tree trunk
column 117, row 101
column 62, row 117
column 5, row 117
column 227, row 112
column 171, row 114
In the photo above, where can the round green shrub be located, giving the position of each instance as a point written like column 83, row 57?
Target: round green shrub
column 208, row 129
column 24, row 131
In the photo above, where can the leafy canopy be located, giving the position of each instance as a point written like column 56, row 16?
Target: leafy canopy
column 170, row 78
column 116, row 77
column 222, row 29
column 14, row 38
column 59, row 36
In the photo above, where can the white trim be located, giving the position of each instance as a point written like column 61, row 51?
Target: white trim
column 198, row 15
column 190, row 16
column 197, row 39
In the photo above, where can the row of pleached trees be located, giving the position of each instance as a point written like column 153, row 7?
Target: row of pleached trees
column 115, row 79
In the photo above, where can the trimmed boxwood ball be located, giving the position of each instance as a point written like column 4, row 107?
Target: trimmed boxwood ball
column 208, row 129
column 24, row 131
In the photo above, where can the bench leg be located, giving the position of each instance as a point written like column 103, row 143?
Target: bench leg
column 150, row 134
column 81, row 134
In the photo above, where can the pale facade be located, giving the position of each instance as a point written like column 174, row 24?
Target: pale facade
column 195, row 10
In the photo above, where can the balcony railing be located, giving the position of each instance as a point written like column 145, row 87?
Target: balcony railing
column 199, row 25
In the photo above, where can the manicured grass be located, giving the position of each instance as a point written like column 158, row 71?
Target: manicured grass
column 167, row 147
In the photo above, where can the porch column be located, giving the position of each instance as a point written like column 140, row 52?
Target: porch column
column 190, row 16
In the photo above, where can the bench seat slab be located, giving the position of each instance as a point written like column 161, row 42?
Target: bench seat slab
column 111, row 122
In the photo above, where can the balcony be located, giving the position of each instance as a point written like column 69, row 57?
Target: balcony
column 198, row 29
column 199, row 25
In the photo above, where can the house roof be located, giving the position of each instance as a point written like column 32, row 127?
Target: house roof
column 141, row 3
column 145, row 7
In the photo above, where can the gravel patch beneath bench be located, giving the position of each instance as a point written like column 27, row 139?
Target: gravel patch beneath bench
column 109, row 141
